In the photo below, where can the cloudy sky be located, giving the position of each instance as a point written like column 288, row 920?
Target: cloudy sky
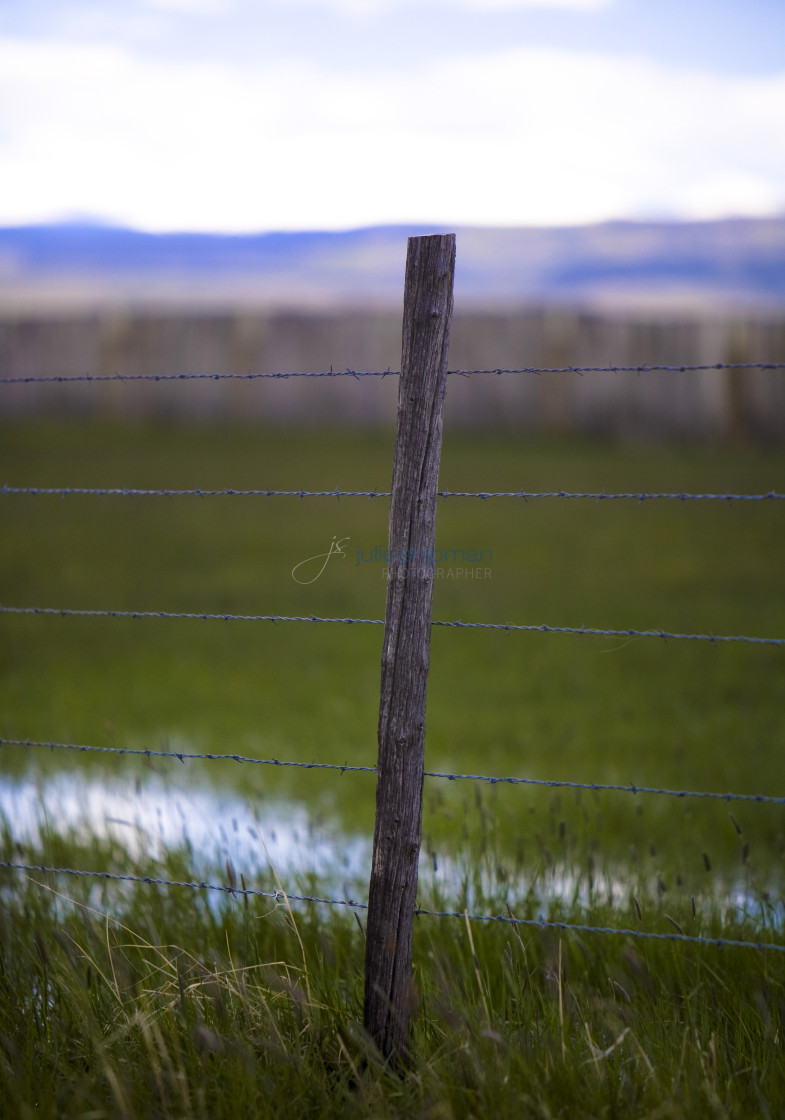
column 239, row 115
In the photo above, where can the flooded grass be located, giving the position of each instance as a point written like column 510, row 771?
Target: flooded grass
column 130, row 999
column 137, row 1000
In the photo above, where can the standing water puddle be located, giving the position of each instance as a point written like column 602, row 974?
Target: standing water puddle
column 219, row 828
column 215, row 827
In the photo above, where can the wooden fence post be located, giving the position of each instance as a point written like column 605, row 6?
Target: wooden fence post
column 427, row 309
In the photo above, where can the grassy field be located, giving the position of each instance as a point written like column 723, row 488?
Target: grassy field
column 142, row 1001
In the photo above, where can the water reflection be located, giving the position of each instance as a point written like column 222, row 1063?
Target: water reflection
column 215, row 826
column 219, row 827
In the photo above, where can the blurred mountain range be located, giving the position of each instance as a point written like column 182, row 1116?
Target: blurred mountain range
column 738, row 263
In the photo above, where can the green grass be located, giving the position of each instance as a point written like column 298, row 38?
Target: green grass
column 165, row 1006
column 186, row 1012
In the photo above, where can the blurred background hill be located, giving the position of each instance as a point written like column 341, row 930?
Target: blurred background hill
column 81, row 299
column 681, row 267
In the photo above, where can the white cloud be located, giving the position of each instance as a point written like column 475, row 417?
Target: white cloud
column 193, row 7
column 508, row 5
column 730, row 192
column 524, row 136
column 375, row 7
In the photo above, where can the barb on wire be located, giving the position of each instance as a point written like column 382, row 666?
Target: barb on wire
column 645, row 368
column 508, row 919
column 345, row 768
column 132, row 492
column 66, row 612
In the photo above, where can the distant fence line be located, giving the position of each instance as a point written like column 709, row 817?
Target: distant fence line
column 737, row 390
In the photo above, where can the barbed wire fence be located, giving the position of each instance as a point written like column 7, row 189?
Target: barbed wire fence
column 34, row 379
column 599, row 496
column 345, row 768
column 183, row 757
column 510, row 919
column 458, row 624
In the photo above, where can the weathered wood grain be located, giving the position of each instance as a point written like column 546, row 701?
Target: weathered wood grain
column 430, row 267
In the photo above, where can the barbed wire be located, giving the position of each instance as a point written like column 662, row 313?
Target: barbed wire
column 601, row 496
column 345, row 768
column 596, row 787
column 509, row 919
column 132, row 492
column 281, row 376
column 201, row 616
column 66, row 612
column 593, row 631
column 154, row 881
column 182, row 756
column 576, row 927
column 644, row 368
column 61, row 379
